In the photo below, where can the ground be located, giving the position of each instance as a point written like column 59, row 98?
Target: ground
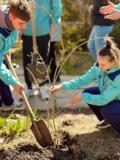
column 76, row 139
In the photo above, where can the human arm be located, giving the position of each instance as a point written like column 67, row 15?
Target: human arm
column 107, row 96
column 7, row 77
column 56, row 9
column 18, row 87
column 7, row 43
column 110, row 8
column 31, row 5
column 75, row 99
column 115, row 15
column 55, row 88
column 78, row 82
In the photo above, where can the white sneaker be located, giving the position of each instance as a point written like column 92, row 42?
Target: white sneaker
column 44, row 93
column 17, row 106
column 103, row 124
column 30, row 93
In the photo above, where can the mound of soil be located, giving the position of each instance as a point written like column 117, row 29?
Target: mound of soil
column 33, row 152
column 68, row 150
column 109, row 157
column 76, row 137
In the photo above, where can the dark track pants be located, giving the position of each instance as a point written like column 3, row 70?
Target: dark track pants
column 43, row 46
column 52, row 61
column 5, row 93
column 110, row 111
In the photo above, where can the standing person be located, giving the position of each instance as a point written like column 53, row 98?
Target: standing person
column 11, row 22
column 104, row 100
column 101, row 28
column 45, row 26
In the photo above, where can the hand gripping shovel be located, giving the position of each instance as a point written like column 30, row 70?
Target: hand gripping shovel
column 39, row 128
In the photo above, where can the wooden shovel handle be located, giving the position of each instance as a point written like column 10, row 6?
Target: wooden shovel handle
column 28, row 107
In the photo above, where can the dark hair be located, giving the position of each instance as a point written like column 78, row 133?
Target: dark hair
column 19, row 8
column 110, row 49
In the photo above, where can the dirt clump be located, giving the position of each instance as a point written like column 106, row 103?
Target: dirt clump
column 24, row 152
column 67, row 123
column 109, row 157
column 68, row 150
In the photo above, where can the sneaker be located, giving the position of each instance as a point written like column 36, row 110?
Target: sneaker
column 103, row 124
column 17, row 106
column 30, row 93
column 44, row 93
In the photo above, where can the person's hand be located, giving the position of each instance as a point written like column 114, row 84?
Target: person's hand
column 18, row 87
column 107, row 9
column 55, row 88
column 52, row 29
column 114, row 16
column 75, row 99
column 31, row 5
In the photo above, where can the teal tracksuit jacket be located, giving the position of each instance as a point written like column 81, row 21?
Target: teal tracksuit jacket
column 117, row 6
column 5, row 44
column 110, row 89
column 46, row 11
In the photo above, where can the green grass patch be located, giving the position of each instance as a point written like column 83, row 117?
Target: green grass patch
column 14, row 124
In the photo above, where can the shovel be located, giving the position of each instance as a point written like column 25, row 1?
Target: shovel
column 39, row 128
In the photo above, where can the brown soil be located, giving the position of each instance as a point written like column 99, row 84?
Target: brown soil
column 30, row 151
column 77, row 139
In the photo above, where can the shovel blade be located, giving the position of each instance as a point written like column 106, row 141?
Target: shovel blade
column 41, row 133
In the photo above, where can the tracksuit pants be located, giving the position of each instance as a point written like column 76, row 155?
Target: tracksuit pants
column 43, row 48
column 5, row 93
column 110, row 111
column 52, row 62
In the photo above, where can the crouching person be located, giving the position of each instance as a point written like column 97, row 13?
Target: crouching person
column 104, row 100
column 13, row 19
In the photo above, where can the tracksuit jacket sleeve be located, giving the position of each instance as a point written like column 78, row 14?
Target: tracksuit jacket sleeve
column 81, row 81
column 56, row 10
column 117, row 6
column 6, row 76
column 108, row 95
column 5, row 45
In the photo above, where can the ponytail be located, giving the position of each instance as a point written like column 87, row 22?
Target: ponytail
column 110, row 49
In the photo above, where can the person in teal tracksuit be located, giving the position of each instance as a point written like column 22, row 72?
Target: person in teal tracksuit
column 47, row 14
column 104, row 99
column 10, row 22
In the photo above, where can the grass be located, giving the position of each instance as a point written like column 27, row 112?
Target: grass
column 12, row 124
